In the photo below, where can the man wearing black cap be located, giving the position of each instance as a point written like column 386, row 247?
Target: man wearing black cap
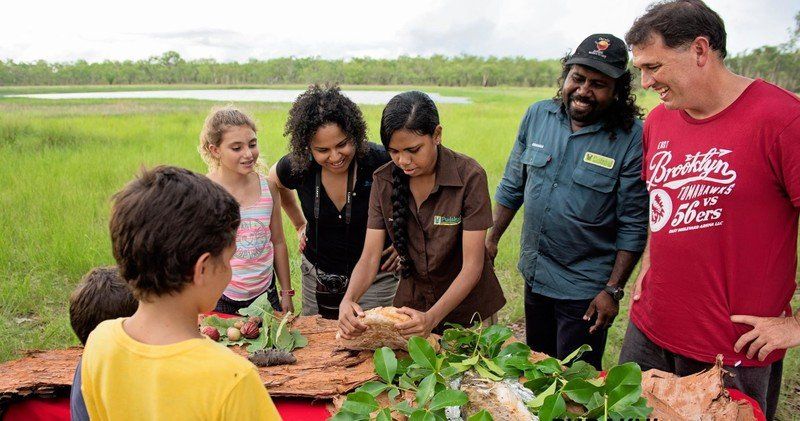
column 576, row 166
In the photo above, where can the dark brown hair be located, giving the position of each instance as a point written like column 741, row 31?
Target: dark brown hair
column 679, row 22
column 317, row 107
column 101, row 295
column 414, row 111
column 162, row 222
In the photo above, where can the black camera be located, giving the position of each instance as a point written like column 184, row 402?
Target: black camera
column 330, row 292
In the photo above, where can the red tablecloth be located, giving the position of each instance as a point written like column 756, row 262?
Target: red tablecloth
column 57, row 409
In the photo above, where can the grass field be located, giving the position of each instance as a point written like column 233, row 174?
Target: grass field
column 60, row 162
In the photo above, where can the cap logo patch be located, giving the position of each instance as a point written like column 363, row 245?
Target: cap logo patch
column 601, row 45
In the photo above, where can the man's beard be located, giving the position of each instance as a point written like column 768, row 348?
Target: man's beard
column 592, row 115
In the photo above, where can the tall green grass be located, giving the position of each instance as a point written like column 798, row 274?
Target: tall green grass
column 61, row 161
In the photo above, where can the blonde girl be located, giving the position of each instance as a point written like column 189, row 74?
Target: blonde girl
column 228, row 144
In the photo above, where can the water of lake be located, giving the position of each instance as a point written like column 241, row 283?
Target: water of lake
column 257, row 95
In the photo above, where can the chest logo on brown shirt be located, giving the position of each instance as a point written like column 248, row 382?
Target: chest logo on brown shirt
column 446, row 220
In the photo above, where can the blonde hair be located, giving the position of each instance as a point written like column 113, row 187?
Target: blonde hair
column 219, row 120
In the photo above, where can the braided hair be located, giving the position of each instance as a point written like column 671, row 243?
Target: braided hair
column 414, row 111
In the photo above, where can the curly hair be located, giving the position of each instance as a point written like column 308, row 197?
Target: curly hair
column 414, row 111
column 314, row 108
column 622, row 113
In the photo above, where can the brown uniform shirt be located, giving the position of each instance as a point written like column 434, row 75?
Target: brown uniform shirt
column 459, row 201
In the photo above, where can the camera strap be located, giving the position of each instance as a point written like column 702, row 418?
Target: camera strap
column 348, row 206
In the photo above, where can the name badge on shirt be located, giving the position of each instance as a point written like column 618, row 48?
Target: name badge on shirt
column 446, row 220
column 599, row 160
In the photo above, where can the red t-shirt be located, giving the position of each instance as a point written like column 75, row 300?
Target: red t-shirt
column 724, row 199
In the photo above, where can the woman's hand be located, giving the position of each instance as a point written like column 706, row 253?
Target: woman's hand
column 286, row 302
column 301, row 237
column 350, row 326
column 421, row 323
column 392, row 262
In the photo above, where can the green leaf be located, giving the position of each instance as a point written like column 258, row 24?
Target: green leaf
column 471, row 360
column 405, row 382
column 421, row 415
column 283, row 339
column 448, row 397
column 516, row 348
column 219, row 323
column 580, row 390
column 384, row 415
column 404, row 408
column 258, row 343
column 539, row 399
column 361, row 403
column 385, row 364
column 425, row 390
column 576, row 353
column 597, row 401
column 393, row 393
column 549, row 366
column 623, row 385
column 449, row 371
column 553, row 407
column 300, row 341
column 486, row 373
column 492, row 366
column 349, row 416
column 580, row 370
column 373, row 388
column 482, row 415
column 638, row 409
column 539, row 385
column 421, row 352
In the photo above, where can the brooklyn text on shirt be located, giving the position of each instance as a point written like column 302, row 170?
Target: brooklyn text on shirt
column 446, row 220
column 685, row 194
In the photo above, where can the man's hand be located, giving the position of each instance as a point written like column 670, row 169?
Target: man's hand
column 392, row 262
column 350, row 326
column 421, row 323
column 768, row 334
column 606, row 308
column 491, row 249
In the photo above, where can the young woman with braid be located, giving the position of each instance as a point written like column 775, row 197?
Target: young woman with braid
column 434, row 204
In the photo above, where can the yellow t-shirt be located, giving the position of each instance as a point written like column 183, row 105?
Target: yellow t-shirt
column 197, row 379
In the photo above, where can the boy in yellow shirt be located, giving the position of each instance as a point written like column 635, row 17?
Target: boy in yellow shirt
column 173, row 234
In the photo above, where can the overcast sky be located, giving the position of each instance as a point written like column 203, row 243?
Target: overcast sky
column 97, row 30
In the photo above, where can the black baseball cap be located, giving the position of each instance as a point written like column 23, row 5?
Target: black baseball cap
column 602, row 52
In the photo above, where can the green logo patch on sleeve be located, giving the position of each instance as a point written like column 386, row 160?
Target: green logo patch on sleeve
column 599, row 160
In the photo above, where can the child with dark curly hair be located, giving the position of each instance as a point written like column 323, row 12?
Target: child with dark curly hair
column 330, row 165
column 434, row 203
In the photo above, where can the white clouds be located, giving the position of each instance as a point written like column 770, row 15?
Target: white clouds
column 98, row 29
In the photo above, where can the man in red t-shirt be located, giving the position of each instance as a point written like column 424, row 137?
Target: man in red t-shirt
column 722, row 166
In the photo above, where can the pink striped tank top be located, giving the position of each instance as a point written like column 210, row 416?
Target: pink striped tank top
column 252, row 262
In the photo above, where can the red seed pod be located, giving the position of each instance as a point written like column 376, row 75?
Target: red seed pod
column 211, row 332
column 250, row 330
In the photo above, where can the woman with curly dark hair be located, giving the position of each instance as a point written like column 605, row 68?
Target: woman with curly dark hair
column 434, row 204
column 330, row 165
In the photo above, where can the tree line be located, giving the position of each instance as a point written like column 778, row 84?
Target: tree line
column 171, row 68
column 779, row 64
